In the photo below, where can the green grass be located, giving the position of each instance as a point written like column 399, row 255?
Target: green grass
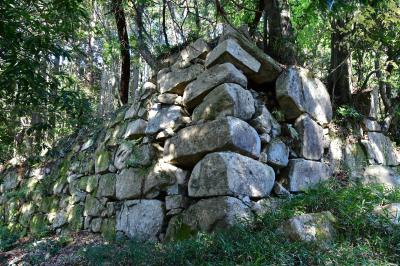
column 363, row 239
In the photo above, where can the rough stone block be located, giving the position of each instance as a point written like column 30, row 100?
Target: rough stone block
column 301, row 174
column 230, row 51
column 298, row 91
column 208, row 80
column 190, row 144
column 228, row 99
column 207, row 215
column 230, row 174
column 176, row 81
column 141, row 219
column 311, row 135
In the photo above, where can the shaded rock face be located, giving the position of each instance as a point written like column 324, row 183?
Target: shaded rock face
column 298, row 92
column 230, row 174
column 380, row 149
column 230, row 51
column 165, row 118
column 311, row 144
column 227, row 99
column 379, row 174
column 190, row 144
column 207, row 215
column 312, row 227
column 277, row 153
column 208, row 80
column 304, row 174
column 141, row 219
column 176, row 81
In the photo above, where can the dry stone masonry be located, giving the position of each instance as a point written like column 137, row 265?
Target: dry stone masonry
column 219, row 136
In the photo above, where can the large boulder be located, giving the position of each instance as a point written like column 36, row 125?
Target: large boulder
column 378, row 174
column 141, row 219
column 301, row 174
column 311, row 227
column 298, row 91
column 228, row 99
column 190, row 144
column 269, row 69
column 197, row 49
column 230, row 174
column 207, row 215
column 380, row 149
column 122, row 154
column 176, row 81
column 129, row 183
column 311, row 135
column 106, row 186
column 277, row 153
column 208, row 80
column 230, row 51
column 165, row 118
column 135, row 129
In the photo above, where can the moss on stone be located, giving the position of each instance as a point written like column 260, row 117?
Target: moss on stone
column 92, row 183
column 48, row 204
column 102, row 160
column 108, row 229
column 38, row 225
column 75, row 218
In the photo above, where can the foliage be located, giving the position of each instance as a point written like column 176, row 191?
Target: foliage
column 362, row 237
column 8, row 237
column 348, row 113
column 36, row 95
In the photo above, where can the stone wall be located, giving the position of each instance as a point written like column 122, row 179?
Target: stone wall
column 218, row 137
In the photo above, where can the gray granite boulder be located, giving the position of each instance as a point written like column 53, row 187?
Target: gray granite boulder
column 208, row 80
column 190, row 144
column 311, row 144
column 141, row 219
column 176, row 81
column 299, row 92
column 311, row 227
column 230, row 51
column 230, row 174
column 380, row 149
column 208, row 215
column 378, row 174
column 166, row 117
column 277, row 153
column 269, row 69
column 136, row 129
column 227, row 99
column 301, row 174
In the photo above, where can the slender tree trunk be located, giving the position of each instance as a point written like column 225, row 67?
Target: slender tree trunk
column 340, row 69
column 143, row 49
column 164, row 27
column 124, row 49
column 197, row 14
column 280, row 33
column 257, row 17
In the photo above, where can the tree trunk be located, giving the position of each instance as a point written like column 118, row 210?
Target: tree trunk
column 143, row 49
column 340, row 70
column 280, row 33
column 124, row 49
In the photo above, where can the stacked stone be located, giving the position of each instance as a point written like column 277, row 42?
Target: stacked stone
column 198, row 149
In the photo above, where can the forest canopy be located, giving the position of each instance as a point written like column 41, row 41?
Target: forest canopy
column 68, row 64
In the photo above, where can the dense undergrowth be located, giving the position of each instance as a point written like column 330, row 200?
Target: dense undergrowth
column 363, row 238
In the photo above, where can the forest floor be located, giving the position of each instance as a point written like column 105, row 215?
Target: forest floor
column 51, row 250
